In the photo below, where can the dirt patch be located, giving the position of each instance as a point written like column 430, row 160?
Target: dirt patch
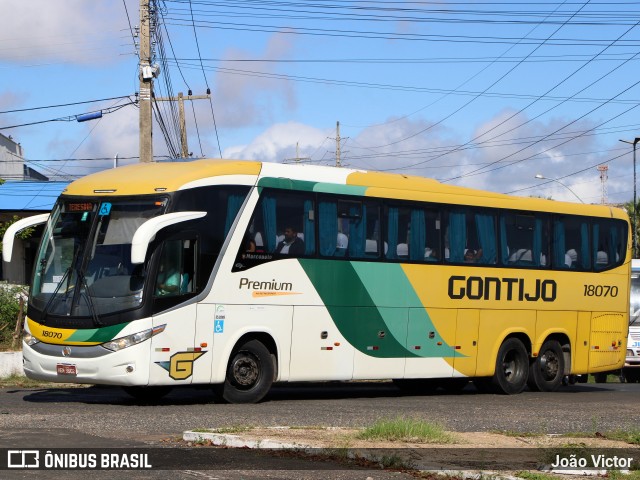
column 469, row 451
column 337, row 437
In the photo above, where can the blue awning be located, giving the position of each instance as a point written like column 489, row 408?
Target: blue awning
column 30, row 196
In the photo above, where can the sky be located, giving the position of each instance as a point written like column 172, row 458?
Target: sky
column 484, row 94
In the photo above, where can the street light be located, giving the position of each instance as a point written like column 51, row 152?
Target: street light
column 542, row 177
column 635, row 201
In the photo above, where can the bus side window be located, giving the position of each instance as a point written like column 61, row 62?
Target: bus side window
column 608, row 243
column 276, row 212
column 524, row 239
column 571, row 242
column 176, row 270
column 470, row 236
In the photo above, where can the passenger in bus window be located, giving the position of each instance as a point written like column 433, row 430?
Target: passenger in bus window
column 472, row 256
column 249, row 244
column 292, row 244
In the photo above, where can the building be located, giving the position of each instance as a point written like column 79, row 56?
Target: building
column 25, row 192
column 24, row 199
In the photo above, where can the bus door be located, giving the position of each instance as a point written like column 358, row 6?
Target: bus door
column 173, row 352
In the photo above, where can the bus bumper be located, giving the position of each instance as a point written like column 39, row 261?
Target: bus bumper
column 85, row 365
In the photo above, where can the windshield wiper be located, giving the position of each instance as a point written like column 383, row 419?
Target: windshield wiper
column 89, row 300
column 66, row 276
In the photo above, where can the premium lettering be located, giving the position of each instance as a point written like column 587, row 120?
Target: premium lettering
column 273, row 285
column 494, row 288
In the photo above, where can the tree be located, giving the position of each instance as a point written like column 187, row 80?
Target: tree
column 24, row 234
column 629, row 207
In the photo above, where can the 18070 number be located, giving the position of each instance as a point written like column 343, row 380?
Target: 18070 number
column 600, row 291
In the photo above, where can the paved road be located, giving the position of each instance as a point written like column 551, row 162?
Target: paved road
column 106, row 417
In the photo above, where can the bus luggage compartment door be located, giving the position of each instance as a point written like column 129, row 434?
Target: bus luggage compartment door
column 608, row 340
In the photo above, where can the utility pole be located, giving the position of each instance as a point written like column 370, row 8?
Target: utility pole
column 297, row 158
column 146, row 84
column 338, row 139
column 338, row 163
column 183, row 124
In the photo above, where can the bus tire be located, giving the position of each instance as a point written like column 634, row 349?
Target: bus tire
column 147, row 394
column 601, row 377
column 249, row 374
column 512, row 367
column 547, row 369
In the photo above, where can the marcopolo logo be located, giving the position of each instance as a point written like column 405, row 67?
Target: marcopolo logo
column 266, row 288
column 494, row 288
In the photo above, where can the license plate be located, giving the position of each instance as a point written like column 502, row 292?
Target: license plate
column 66, row 369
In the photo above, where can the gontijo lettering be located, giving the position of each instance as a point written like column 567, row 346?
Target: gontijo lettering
column 260, row 285
column 494, row 288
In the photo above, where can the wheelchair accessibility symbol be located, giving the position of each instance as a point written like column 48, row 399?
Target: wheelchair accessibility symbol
column 218, row 326
column 105, row 209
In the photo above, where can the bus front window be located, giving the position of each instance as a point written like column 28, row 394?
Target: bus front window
column 84, row 264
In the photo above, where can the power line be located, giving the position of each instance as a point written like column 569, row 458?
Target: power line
column 70, row 118
column 213, row 115
column 133, row 35
column 407, row 88
column 65, row 104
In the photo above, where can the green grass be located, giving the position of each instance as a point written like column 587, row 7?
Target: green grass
column 24, row 382
column 617, row 475
column 631, row 436
column 535, row 476
column 406, row 430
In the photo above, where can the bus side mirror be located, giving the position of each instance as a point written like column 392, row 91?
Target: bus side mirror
column 147, row 231
column 14, row 228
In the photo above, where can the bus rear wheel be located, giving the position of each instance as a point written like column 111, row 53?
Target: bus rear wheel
column 249, row 374
column 512, row 367
column 547, row 370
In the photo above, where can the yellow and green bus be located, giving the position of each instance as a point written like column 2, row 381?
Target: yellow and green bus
column 239, row 274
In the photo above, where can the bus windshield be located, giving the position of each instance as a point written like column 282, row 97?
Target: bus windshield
column 83, row 267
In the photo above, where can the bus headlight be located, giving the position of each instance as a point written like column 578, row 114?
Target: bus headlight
column 29, row 339
column 133, row 339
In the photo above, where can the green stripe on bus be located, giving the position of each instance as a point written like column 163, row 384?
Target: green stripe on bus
column 307, row 186
column 99, row 335
column 378, row 317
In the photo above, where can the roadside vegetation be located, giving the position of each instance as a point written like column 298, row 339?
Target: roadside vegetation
column 406, row 430
column 9, row 309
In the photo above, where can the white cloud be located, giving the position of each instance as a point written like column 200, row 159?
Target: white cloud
column 249, row 99
column 40, row 31
column 278, row 142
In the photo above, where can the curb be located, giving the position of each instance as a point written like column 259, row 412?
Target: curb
column 11, row 364
column 237, row 441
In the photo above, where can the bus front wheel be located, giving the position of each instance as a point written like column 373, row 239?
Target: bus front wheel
column 547, row 370
column 512, row 367
column 249, row 374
